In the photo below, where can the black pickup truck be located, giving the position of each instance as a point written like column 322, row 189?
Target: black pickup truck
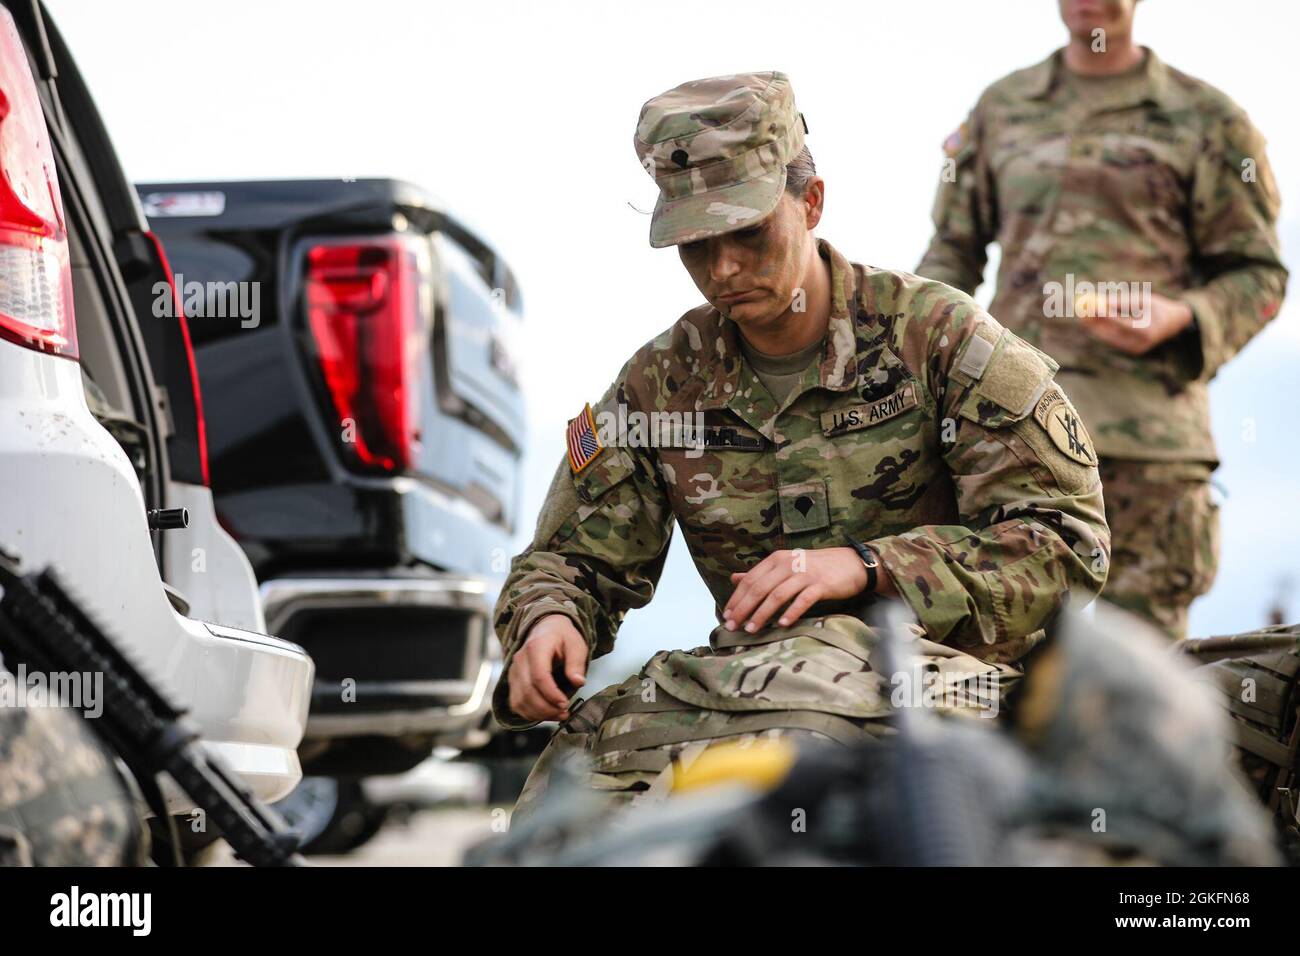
column 365, row 431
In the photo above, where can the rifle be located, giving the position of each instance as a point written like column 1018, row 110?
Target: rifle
column 1267, row 724
column 42, row 627
column 1209, row 650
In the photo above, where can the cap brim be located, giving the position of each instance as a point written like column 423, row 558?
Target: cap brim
column 715, row 212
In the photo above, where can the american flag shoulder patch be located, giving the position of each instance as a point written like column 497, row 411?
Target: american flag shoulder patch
column 955, row 141
column 584, row 444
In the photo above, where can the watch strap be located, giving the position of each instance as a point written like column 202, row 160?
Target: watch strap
column 870, row 561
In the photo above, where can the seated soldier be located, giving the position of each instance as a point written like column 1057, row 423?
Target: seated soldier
column 847, row 432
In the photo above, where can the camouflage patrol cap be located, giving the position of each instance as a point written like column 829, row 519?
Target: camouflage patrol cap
column 717, row 149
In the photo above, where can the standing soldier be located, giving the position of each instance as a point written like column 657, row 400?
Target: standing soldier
column 1135, row 212
column 836, row 431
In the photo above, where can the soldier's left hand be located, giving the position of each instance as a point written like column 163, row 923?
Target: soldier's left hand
column 1161, row 320
column 799, row 578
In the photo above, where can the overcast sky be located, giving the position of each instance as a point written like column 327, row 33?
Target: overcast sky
column 521, row 116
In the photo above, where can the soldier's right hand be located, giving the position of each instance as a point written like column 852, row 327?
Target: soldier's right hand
column 534, row 693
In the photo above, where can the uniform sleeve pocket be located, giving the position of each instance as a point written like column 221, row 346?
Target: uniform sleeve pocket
column 595, row 481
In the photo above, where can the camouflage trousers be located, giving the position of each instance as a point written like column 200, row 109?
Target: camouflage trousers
column 813, row 680
column 62, row 800
column 1164, row 528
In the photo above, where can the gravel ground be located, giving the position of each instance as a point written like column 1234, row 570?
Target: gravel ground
column 427, row 838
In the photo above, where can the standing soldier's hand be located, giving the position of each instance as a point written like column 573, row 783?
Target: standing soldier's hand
column 534, row 693
column 1135, row 331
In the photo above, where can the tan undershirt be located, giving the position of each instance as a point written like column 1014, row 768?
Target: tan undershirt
column 1091, row 90
column 780, row 374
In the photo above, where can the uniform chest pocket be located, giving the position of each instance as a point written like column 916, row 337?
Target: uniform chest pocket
column 721, row 482
column 1138, row 169
column 1028, row 169
column 859, row 415
column 885, row 451
column 1147, row 145
column 1025, row 152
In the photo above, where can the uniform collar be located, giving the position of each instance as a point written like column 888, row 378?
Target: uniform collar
column 838, row 370
column 1042, row 78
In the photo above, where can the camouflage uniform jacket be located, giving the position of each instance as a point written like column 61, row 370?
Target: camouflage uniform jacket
column 1161, row 180
column 926, row 430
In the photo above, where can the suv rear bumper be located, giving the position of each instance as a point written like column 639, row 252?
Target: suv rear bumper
column 395, row 655
column 240, row 680
column 70, row 499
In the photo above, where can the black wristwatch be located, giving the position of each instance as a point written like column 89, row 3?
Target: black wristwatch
column 870, row 561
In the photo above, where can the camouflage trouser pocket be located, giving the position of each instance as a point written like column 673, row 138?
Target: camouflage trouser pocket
column 1164, row 527
column 1193, row 542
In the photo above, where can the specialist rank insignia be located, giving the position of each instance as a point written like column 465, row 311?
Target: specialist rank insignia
column 1062, row 423
column 584, row 444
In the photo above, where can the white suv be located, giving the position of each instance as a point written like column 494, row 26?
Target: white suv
column 101, row 427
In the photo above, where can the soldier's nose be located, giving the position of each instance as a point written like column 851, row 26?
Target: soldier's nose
column 723, row 281
column 722, row 268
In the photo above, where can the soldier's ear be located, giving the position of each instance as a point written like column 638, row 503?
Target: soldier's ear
column 814, row 202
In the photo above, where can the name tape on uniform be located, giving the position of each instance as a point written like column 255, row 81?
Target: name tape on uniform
column 850, row 419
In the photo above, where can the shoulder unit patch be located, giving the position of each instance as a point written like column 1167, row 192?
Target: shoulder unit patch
column 1062, row 423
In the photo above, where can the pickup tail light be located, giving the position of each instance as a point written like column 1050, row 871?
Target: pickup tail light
column 35, row 272
column 363, row 301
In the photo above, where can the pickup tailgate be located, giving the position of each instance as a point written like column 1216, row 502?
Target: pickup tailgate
column 280, row 396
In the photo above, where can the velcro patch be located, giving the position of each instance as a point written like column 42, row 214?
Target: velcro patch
column 841, row 420
column 583, row 442
column 1015, row 378
column 1062, row 423
column 976, row 359
column 804, row 507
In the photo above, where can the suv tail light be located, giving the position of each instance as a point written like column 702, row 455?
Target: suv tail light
column 35, row 273
column 363, row 308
